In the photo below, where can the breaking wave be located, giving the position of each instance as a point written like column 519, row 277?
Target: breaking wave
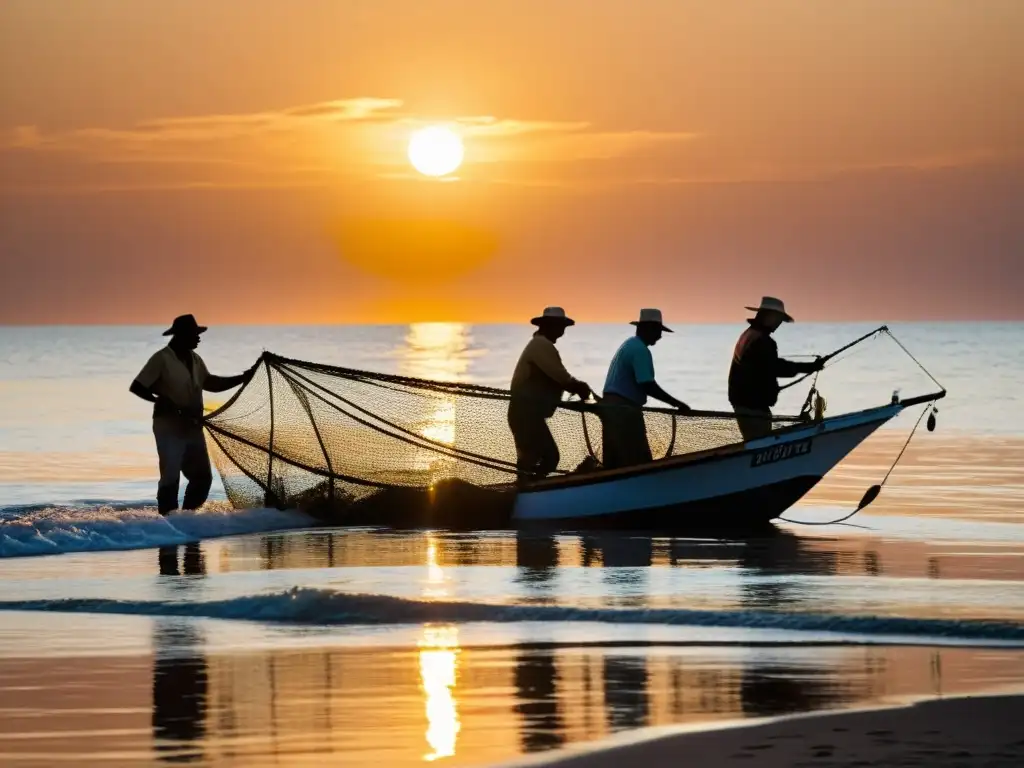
column 306, row 605
column 51, row 530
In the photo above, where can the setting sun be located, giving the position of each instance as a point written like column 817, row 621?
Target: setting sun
column 435, row 151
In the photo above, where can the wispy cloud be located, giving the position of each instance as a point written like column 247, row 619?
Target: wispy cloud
column 342, row 139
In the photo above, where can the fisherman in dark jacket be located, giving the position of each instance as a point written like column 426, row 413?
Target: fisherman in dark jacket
column 756, row 368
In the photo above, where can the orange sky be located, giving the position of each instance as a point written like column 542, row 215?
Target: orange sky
column 245, row 159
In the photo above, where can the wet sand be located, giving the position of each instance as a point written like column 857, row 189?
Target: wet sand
column 972, row 731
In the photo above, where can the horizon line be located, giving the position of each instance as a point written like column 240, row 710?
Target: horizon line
column 360, row 324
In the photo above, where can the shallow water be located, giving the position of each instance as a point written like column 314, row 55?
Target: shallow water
column 270, row 642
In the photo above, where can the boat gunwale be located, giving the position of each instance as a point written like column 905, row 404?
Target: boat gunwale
column 831, row 425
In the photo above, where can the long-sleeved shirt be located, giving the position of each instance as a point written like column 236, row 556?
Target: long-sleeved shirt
column 540, row 378
column 756, row 368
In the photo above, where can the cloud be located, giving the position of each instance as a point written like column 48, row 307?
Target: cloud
column 342, row 140
column 363, row 139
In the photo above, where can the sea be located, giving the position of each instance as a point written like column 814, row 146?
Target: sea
column 256, row 637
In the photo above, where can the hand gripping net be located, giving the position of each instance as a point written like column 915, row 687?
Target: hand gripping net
column 303, row 434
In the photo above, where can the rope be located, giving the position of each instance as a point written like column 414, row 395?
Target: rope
column 861, row 506
column 907, row 351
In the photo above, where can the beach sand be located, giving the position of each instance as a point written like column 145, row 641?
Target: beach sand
column 970, row 731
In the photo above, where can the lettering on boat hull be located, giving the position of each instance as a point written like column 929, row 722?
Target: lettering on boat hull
column 781, row 453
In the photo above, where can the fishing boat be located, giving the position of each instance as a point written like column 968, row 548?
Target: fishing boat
column 741, row 485
column 362, row 448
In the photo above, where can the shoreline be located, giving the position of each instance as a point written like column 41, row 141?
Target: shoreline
column 969, row 729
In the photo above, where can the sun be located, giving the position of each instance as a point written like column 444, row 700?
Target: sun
column 435, row 150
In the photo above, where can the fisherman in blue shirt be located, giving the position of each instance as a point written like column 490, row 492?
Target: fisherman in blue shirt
column 629, row 383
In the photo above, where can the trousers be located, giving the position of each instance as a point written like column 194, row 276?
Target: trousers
column 181, row 449
column 754, row 423
column 624, row 433
column 537, row 452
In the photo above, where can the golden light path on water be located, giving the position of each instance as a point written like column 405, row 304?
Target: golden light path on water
column 436, row 351
column 438, row 656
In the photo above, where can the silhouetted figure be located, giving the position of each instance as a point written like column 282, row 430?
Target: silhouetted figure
column 538, row 381
column 630, row 381
column 174, row 379
column 756, row 368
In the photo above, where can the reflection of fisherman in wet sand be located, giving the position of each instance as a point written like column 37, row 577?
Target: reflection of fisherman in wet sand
column 756, row 368
column 180, row 680
column 538, row 382
column 629, row 383
column 174, row 379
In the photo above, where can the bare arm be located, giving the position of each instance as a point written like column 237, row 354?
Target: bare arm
column 214, row 383
column 222, row 383
column 654, row 390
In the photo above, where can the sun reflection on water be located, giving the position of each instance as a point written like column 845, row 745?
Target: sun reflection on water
column 437, row 351
column 435, row 573
column 439, row 648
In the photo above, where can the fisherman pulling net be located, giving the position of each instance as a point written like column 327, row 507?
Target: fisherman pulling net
column 302, row 434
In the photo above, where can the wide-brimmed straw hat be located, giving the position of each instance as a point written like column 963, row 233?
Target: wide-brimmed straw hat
column 652, row 316
column 770, row 303
column 184, row 324
column 553, row 315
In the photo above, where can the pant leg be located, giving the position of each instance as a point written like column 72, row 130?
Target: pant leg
column 170, row 449
column 547, row 449
column 536, row 450
column 754, row 423
column 196, row 468
column 637, row 449
column 624, row 434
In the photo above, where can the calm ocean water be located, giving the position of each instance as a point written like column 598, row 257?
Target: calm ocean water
column 271, row 642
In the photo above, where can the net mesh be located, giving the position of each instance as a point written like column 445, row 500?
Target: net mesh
column 302, row 434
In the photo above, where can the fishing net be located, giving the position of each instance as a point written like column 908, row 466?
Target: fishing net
column 302, row 434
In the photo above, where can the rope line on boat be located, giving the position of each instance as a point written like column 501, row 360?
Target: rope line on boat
column 871, row 493
column 911, row 356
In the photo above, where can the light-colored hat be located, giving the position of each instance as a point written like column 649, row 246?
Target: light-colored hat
column 774, row 305
column 651, row 316
column 553, row 314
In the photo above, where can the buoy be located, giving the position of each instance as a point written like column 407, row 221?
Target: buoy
column 869, row 495
column 931, row 421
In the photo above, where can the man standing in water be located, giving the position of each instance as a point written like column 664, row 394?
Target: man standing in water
column 756, row 368
column 630, row 381
column 173, row 379
column 538, row 381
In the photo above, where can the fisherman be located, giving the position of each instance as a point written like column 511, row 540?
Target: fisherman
column 756, row 368
column 630, row 381
column 174, row 379
column 538, row 381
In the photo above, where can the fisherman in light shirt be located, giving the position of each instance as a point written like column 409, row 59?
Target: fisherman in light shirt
column 174, row 379
column 630, row 381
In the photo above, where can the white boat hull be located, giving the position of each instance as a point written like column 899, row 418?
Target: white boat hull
column 738, row 485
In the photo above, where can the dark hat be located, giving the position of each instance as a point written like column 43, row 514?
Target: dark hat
column 553, row 315
column 184, row 324
column 651, row 317
column 771, row 304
